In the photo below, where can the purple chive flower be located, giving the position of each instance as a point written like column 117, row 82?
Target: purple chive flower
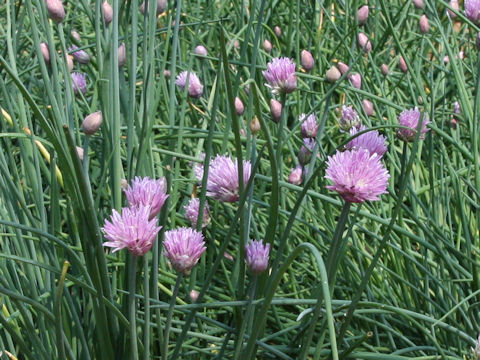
column 372, row 141
column 191, row 212
column 472, row 9
column 147, row 192
column 183, row 247
column 280, row 75
column 349, row 118
column 222, row 182
column 357, row 175
column 296, row 175
column 79, row 83
column 410, row 118
column 80, row 55
column 456, row 108
column 195, row 87
column 309, row 125
column 132, row 230
column 256, row 256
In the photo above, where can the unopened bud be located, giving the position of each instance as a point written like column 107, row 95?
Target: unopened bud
column 295, row 176
column 107, row 12
column 239, row 108
column 424, row 24
column 307, row 60
column 255, row 126
column 384, row 69
column 56, row 10
column 92, row 123
column 161, row 6
column 278, row 31
column 402, row 64
column 122, row 55
column 194, row 295
column 80, row 153
column 76, row 36
column 356, row 80
column 364, row 42
column 343, row 68
column 167, row 74
column 367, row 107
column 69, row 59
column 333, row 74
column 45, row 52
column 267, row 46
column 418, row 4
column 124, row 183
column 275, row 110
column 455, row 6
column 305, row 152
column 362, row 15
column 201, row 50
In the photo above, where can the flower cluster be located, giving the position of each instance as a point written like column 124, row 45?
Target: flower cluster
column 256, row 256
column 410, row 119
column 280, row 75
column 184, row 247
column 195, row 87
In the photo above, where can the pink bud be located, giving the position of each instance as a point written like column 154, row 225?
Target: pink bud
column 364, row 42
column 295, row 176
column 167, row 74
column 201, row 50
column 367, row 107
column 424, row 24
column 356, row 80
column 80, row 153
column 454, row 5
column 107, row 12
column 76, row 36
column 333, row 74
column 255, row 126
column 418, row 4
column 239, row 108
column 307, row 60
column 122, row 55
column 228, row 256
column 56, row 10
column 384, row 69
column 267, row 46
column 275, row 110
column 446, row 59
column 362, row 15
column 69, row 59
column 342, row 67
column 124, row 183
column 194, row 295
column 92, row 123
column 402, row 64
column 161, row 6
column 278, row 31
column 45, row 52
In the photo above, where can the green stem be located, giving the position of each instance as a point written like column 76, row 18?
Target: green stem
column 169, row 315
column 246, row 319
column 132, row 307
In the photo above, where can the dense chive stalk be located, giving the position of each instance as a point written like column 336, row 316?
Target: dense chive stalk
column 58, row 311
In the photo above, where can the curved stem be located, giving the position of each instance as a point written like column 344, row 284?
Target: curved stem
column 169, row 315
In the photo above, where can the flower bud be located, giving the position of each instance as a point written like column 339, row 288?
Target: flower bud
column 384, row 69
column 424, row 24
column 295, row 176
column 167, row 74
column 45, row 52
column 92, row 123
column 402, row 64
column 362, row 15
column 76, row 36
column 194, row 295
column 239, row 108
column 364, row 42
column 333, row 74
column 122, row 55
column 307, row 60
column 305, row 153
column 267, row 46
column 342, row 67
column 161, row 6
column 201, row 50
column 356, row 80
column 255, row 125
column 80, row 55
column 454, row 5
column 80, row 152
column 278, row 31
column 367, row 107
column 56, row 10
column 456, row 108
column 418, row 4
column 124, row 183
column 69, row 59
column 107, row 12
column 275, row 110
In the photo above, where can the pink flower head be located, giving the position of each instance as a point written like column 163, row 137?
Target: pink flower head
column 222, row 183
column 195, row 87
column 372, row 141
column 79, row 83
column 132, row 230
column 183, row 247
column 256, row 256
column 309, row 125
column 280, row 75
column 349, row 118
column 357, row 175
column 191, row 212
column 410, row 118
column 80, row 55
column 296, row 175
column 472, row 9
column 147, row 192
